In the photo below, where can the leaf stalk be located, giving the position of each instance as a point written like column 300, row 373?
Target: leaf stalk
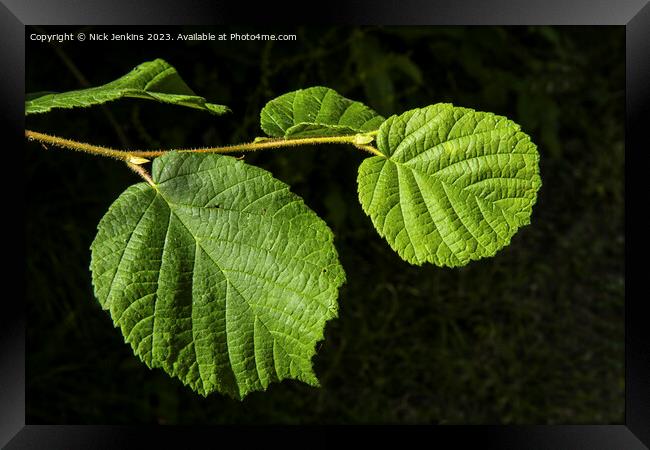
column 135, row 157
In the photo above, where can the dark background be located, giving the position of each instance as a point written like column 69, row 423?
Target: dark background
column 533, row 335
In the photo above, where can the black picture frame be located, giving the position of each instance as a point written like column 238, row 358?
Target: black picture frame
column 633, row 14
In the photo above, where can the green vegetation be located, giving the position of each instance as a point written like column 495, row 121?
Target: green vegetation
column 450, row 184
column 219, row 276
column 153, row 80
column 531, row 335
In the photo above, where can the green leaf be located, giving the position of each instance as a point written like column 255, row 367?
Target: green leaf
column 217, row 274
column 454, row 184
column 316, row 111
column 153, row 80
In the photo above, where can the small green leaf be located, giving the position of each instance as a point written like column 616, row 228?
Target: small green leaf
column 217, row 274
column 137, row 160
column 316, row 111
column 454, row 184
column 153, row 80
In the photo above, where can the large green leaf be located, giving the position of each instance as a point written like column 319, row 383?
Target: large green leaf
column 316, row 111
column 153, row 80
column 217, row 274
column 453, row 184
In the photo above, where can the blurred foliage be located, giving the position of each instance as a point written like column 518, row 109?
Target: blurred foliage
column 533, row 335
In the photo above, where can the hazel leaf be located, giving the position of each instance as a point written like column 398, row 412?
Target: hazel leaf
column 217, row 274
column 152, row 80
column 452, row 185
